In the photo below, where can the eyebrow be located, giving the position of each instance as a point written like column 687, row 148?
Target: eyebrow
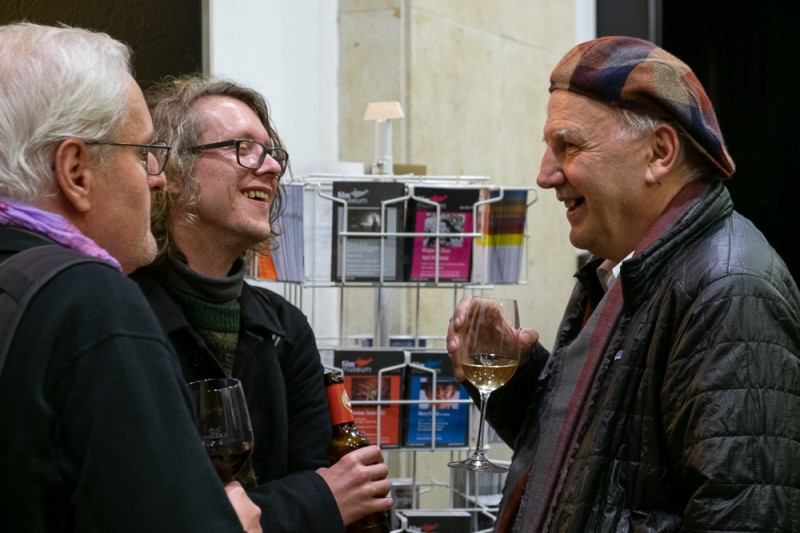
column 559, row 133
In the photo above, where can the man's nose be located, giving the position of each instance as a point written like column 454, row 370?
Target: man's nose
column 549, row 170
column 157, row 182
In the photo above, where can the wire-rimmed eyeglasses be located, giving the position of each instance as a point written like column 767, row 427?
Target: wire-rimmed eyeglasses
column 154, row 156
column 250, row 154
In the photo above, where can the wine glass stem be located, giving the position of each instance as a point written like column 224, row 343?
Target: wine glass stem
column 484, row 401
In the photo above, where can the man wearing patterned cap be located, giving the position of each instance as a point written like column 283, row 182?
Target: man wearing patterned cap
column 671, row 400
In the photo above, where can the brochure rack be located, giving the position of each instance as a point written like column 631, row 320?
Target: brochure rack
column 321, row 298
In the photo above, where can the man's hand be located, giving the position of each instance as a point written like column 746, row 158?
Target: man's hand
column 249, row 513
column 359, row 483
column 457, row 341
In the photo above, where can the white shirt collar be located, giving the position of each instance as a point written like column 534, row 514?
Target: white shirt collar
column 608, row 272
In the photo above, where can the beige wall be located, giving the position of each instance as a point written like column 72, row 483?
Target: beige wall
column 472, row 78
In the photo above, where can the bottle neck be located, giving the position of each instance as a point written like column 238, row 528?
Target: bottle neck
column 339, row 404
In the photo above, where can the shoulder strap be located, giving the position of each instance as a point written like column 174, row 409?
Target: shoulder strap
column 21, row 276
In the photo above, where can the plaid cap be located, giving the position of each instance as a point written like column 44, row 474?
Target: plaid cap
column 636, row 74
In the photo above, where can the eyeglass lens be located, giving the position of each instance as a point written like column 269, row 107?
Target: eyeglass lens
column 251, row 154
column 157, row 158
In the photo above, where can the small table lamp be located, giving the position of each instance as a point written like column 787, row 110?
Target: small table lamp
column 383, row 113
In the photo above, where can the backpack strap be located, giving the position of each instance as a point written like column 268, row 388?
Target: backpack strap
column 21, row 276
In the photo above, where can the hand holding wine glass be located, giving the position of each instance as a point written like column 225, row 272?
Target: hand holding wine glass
column 248, row 512
column 456, row 337
column 223, row 421
column 489, row 356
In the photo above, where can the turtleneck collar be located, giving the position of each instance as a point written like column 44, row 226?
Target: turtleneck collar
column 178, row 275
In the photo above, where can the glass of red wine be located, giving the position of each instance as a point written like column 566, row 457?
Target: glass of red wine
column 222, row 419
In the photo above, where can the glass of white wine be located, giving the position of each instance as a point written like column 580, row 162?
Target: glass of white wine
column 489, row 358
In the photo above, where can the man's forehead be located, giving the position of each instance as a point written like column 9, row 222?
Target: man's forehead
column 569, row 113
column 138, row 125
column 225, row 116
column 220, row 104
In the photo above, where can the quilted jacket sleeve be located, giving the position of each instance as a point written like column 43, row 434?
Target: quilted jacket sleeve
column 731, row 401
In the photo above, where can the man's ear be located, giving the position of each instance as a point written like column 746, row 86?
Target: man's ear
column 74, row 173
column 664, row 157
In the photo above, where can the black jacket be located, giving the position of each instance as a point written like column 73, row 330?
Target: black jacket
column 95, row 430
column 694, row 421
column 279, row 365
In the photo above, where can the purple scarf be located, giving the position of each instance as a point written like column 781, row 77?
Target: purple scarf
column 53, row 226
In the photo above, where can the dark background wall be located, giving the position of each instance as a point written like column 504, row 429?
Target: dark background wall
column 745, row 56
column 166, row 35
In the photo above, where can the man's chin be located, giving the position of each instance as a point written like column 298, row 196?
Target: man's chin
column 258, row 235
column 139, row 257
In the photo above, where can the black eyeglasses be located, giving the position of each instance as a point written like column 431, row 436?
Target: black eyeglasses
column 154, row 156
column 249, row 153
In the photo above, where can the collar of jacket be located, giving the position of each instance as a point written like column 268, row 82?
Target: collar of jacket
column 587, row 276
column 257, row 315
column 13, row 239
column 640, row 274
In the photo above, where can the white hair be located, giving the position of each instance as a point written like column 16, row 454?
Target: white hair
column 632, row 125
column 55, row 83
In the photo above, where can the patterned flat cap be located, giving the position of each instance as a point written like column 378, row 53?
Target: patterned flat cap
column 636, row 74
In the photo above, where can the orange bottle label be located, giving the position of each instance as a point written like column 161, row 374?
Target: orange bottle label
column 339, row 403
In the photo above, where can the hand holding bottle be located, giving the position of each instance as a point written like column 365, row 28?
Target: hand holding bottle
column 358, row 478
column 359, row 483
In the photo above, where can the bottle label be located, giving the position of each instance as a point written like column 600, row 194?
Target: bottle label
column 339, row 403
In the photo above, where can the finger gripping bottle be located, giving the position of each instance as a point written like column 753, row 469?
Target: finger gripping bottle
column 346, row 438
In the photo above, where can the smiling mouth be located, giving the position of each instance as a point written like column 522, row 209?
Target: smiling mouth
column 573, row 203
column 260, row 196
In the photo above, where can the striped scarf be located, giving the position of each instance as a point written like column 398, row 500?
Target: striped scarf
column 540, row 508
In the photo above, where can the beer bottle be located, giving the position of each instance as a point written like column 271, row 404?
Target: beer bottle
column 346, row 438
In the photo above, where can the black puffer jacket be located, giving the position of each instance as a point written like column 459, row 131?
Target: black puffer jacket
column 694, row 417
